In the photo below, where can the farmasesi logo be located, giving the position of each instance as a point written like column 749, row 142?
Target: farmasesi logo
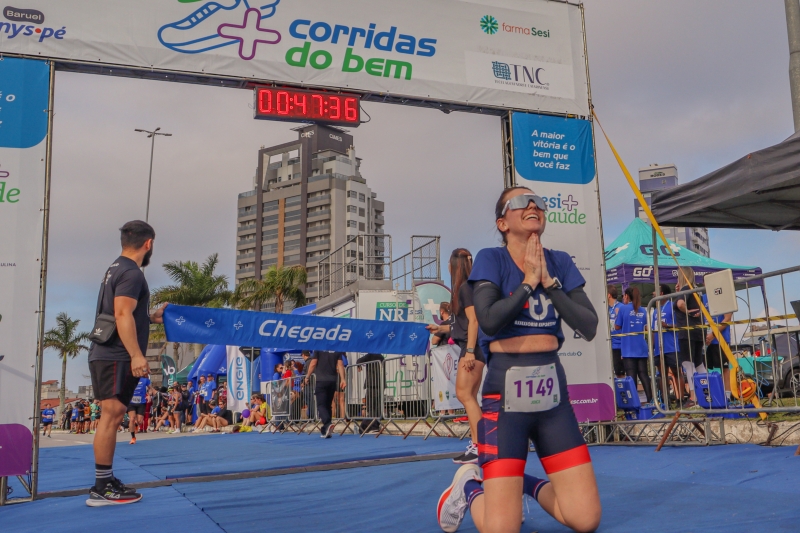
column 276, row 328
column 214, row 26
column 491, row 26
column 21, row 21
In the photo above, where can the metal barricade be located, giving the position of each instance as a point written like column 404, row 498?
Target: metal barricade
column 302, row 404
column 763, row 343
column 364, row 395
column 407, row 392
column 277, row 397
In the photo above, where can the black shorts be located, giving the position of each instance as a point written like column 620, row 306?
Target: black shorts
column 113, row 379
column 670, row 360
column 45, row 424
column 478, row 352
column 139, row 408
column 691, row 350
column 503, row 436
column 616, row 359
column 715, row 357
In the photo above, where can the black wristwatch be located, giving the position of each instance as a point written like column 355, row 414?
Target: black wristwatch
column 556, row 285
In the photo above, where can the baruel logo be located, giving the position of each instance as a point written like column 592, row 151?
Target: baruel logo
column 23, row 15
column 26, row 16
column 490, row 26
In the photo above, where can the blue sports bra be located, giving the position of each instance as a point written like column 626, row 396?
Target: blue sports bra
column 539, row 316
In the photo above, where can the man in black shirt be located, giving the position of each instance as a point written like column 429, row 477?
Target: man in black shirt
column 117, row 365
column 373, row 387
column 328, row 369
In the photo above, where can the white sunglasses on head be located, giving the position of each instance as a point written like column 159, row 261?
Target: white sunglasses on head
column 522, row 201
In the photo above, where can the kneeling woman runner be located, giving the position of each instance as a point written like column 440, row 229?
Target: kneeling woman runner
column 525, row 391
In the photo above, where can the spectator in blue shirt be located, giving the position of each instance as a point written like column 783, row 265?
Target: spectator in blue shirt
column 48, row 414
column 632, row 318
column 668, row 360
column 614, row 306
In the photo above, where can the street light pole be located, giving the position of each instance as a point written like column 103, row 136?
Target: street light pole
column 793, row 31
column 151, row 135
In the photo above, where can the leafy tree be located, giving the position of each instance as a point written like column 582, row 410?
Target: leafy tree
column 279, row 285
column 68, row 343
column 196, row 285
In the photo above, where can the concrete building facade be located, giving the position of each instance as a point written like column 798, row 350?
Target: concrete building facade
column 659, row 177
column 308, row 198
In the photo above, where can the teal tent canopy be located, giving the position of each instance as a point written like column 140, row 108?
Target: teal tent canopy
column 183, row 375
column 629, row 259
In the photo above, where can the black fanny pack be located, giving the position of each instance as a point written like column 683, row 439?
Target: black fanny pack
column 105, row 325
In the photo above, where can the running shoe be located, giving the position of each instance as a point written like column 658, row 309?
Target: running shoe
column 133, row 440
column 198, row 31
column 469, row 457
column 121, row 487
column 111, row 495
column 453, row 502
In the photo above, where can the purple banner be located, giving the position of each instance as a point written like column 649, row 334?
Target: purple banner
column 16, row 450
column 627, row 274
column 592, row 402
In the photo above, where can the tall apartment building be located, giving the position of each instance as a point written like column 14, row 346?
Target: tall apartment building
column 308, row 198
column 658, row 177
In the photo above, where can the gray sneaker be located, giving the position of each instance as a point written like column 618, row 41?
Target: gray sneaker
column 453, row 502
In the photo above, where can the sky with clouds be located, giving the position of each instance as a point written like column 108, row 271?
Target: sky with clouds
column 697, row 84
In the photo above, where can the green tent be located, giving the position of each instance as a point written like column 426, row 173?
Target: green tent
column 629, row 259
column 183, row 375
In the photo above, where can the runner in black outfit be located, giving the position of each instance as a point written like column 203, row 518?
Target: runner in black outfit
column 328, row 369
column 117, row 365
column 522, row 293
column 373, row 386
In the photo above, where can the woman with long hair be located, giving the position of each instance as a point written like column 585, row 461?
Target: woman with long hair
column 632, row 318
column 522, row 292
column 464, row 331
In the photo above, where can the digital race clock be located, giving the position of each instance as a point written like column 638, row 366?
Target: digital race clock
column 272, row 103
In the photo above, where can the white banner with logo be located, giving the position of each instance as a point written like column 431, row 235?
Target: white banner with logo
column 238, row 380
column 554, row 156
column 503, row 53
column 24, row 92
column 444, row 362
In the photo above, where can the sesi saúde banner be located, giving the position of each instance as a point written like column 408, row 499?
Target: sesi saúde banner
column 502, row 53
column 24, row 93
column 554, row 156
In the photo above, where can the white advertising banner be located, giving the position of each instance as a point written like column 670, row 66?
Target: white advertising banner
column 238, row 380
column 444, row 364
column 554, row 156
column 502, row 53
column 24, row 92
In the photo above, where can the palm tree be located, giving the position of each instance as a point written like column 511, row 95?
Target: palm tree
column 279, row 285
column 195, row 285
column 64, row 339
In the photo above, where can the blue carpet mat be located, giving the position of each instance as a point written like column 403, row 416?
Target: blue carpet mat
column 163, row 509
column 72, row 467
column 720, row 489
